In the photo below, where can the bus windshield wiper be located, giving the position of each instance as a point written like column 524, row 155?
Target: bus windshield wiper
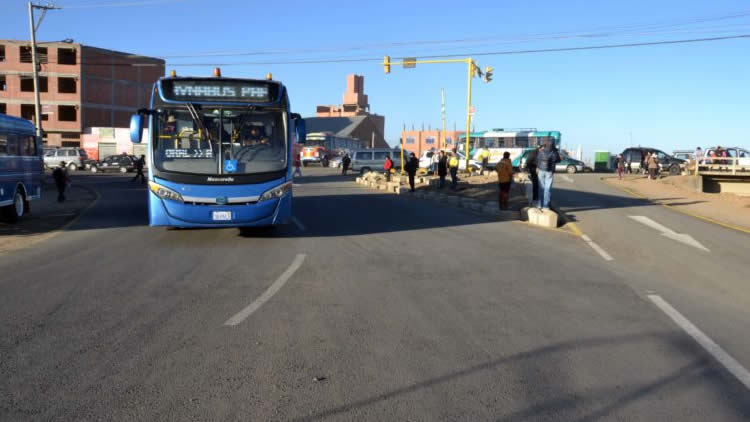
column 197, row 119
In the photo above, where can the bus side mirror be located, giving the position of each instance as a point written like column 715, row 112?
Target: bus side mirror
column 136, row 128
column 299, row 125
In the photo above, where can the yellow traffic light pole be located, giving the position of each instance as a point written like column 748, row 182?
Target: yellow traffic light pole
column 472, row 69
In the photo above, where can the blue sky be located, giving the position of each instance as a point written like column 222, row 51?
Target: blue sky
column 668, row 96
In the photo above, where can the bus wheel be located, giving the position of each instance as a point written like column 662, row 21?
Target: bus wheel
column 14, row 212
column 571, row 169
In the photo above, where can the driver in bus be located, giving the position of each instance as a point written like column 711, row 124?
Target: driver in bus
column 255, row 137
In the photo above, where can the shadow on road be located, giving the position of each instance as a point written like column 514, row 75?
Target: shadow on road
column 584, row 405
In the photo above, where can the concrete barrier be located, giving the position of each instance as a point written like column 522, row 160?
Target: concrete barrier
column 544, row 218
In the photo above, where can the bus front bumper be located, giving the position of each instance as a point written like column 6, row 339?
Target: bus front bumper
column 165, row 212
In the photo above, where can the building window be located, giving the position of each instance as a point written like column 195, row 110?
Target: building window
column 71, row 135
column 66, row 113
column 448, row 140
column 66, row 56
column 27, row 112
column 2, row 53
column 409, row 139
column 429, row 140
column 3, row 108
column 27, row 84
column 66, row 85
column 3, row 86
column 25, row 52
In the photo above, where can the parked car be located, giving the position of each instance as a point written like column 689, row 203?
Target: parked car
column 425, row 160
column 683, row 154
column 115, row 163
column 571, row 165
column 364, row 160
column 667, row 162
column 75, row 158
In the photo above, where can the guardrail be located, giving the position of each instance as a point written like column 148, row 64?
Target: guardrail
column 723, row 165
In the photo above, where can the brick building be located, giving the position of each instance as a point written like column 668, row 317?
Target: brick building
column 352, row 118
column 80, row 87
column 418, row 141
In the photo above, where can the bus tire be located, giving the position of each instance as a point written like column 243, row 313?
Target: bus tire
column 13, row 212
column 571, row 169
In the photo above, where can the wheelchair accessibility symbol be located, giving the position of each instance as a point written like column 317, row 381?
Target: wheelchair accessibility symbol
column 230, row 166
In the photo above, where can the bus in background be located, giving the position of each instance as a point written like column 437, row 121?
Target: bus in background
column 515, row 141
column 21, row 167
column 322, row 147
column 219, row 152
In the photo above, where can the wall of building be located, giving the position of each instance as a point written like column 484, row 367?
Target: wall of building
column 418, row 141
column 109, row 88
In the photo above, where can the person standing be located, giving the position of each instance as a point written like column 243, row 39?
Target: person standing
column 387, row 166
column 297, row 163
column 644, row 163
column 485, row 156
column 620, row 164
column 442, row 169
column 531, row 166
column 546, row 160
column 504, row 171
column 60, row 175
column 345, row 164
column 653, row 166
column 139, row 163
column 434, row 160
column 453, row 167
column 412, row 164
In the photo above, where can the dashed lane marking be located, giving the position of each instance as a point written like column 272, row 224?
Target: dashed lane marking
column 597, row 248
column 268, row 294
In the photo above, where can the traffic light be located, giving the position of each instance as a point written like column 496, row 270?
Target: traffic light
column 387, row 64
column 488, row 73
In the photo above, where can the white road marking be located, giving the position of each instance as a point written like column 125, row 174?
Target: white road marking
column 669, row 233
column 296, row 185
column 709, row 345
column 567, row 178
column 597, row 248
column 299, row 224
column 268, row 294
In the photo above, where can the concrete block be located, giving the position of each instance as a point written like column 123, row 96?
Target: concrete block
column 358, row 180
column 381, row 186
column 544, row 218
column 390, row 186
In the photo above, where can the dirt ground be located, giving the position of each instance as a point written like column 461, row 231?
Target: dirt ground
column 679, row 192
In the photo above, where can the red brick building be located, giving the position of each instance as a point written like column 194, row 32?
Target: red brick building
column 418, row 141
column 352, row 118
column 80, row 87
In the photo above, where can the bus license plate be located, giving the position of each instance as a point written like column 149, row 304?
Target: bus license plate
column 222, row 215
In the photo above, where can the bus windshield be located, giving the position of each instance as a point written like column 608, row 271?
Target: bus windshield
column 213, row 140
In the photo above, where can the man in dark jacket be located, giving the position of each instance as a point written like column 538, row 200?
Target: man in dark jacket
column 531, row 167
column 139, row 163
column 60, row 175
column 545, row 161
column 411, row 169
column 345, row 164
column 442, row 168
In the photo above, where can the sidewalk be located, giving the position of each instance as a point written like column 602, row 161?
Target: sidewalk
column 47, row 217
column 677, row 192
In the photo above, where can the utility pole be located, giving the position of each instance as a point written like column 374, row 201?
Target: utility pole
column 442, row 112
column 35, row 61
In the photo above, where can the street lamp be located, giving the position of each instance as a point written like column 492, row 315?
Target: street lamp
column 34, row 61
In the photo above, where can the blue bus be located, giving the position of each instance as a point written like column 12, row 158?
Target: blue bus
column 21, row 167
column 219, row 152
column 514, row 141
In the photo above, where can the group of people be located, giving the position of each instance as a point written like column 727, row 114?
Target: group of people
column 442, row 163
column 649, row 165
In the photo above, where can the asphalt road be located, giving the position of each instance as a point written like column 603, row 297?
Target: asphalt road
column 372, row 307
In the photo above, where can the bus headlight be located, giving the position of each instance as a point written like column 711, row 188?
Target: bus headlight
column 276, row 192
column 164, row 193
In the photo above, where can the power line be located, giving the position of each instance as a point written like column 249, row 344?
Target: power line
column 478, row 54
